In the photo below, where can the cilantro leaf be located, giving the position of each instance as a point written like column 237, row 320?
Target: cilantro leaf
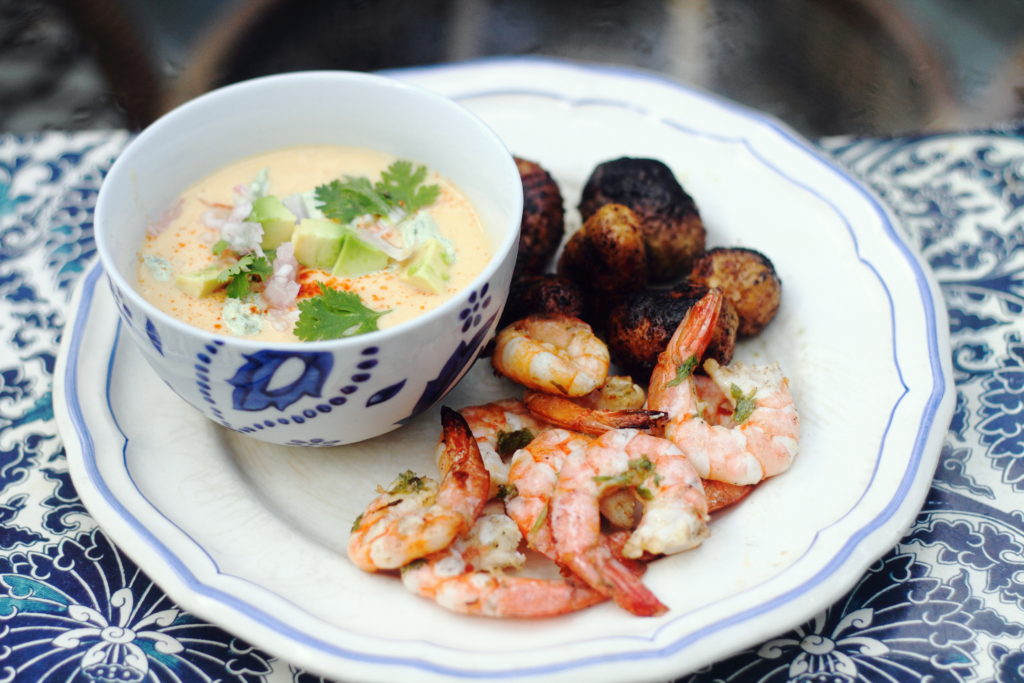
column 400, row 187
column 241, row 275
column 511, row 441
column 219, row 246
column 745, row 404
column 683, row 371
column 334, row 314
column 344, row 200
column 637, row 471
column 403, row 186
column 408, row 482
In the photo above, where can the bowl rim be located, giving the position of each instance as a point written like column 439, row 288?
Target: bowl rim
column 502, row 250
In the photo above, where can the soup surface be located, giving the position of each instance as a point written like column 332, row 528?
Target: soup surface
column 217, row 262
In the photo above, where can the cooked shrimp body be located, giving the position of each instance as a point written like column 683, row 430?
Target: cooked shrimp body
column 500, row 428
column 553, row 353
column 466, row 577
column 770, row 431
column 674, row 506
column 566, row 413
column 415, row 517
column 758, row 439
column 717, row 408
column 576, row 520
column 533, row 475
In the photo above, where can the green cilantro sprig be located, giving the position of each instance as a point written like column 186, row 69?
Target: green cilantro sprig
column 334, row 314
column 684, row 370
column 635, row 475
column 511, row 441
column 408, row 482
column 241, row 275
column 400, row 187
column 403, row 186
column 745, row 403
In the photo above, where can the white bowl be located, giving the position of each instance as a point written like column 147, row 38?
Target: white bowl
column 325, row 392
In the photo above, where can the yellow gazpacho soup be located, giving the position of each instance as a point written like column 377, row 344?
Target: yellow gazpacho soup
column 314, row 242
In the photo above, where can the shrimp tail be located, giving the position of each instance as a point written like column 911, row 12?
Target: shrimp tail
column 461, row 453
column 567, row 414
column 608, row 576
column 462, row 463
column 694, row 333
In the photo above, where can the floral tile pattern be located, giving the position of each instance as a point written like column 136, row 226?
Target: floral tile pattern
column 946, row 604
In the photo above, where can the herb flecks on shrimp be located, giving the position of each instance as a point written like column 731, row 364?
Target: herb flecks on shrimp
column 417, row 516
column 559, row 460
column 468, row 577
column 760, row 437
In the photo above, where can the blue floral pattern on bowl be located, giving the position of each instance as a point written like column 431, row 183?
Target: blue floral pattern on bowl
column 253, row 380
column 458, row 362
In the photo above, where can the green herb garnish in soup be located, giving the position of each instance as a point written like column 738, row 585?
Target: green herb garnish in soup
column 311, row 243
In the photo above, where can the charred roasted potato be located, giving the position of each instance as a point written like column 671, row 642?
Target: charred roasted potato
column 619, row 392
column 543, row 223
column 639, row 328
column 748, row 279
column 607, row 254
column 607, row 259
column 671, row 226
column 532, row 294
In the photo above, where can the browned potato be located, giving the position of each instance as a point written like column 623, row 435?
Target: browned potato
column 671, row 226
column 543, row 223
column 748, row 279
column 531, row 294
column 619, row 392
column 607, row 254
column 639, row 329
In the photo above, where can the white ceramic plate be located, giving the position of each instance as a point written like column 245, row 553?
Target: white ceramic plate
column 251, row 536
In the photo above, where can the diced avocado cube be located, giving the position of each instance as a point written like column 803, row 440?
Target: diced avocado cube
column 357, row 257
column 277, row 221
column 317, row 242
column 428, row 270
column 200, row 283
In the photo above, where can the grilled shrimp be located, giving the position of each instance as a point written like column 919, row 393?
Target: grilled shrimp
column 500, row 428
column 576, row 524
column 674, row 506
column 758, row 440
column 533, row 476
column 467, row 577
column 416, row 516
column 556, row 354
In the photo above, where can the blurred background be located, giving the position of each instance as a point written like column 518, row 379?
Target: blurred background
column 824, row 66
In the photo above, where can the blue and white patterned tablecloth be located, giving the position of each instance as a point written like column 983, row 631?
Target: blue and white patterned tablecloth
column 947, row 604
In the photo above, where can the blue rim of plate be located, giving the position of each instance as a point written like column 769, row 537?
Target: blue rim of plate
column 284, row 629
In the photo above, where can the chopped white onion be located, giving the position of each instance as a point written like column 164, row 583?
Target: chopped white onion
column 282, row 288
